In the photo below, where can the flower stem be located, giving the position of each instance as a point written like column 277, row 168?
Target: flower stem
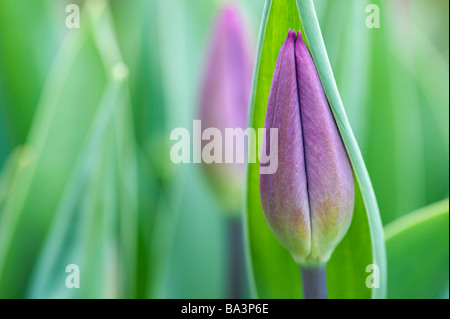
column 236, row 260
column 314, row 282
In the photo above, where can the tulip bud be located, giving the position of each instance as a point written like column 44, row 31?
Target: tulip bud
column 224, row 100
column 308, row 202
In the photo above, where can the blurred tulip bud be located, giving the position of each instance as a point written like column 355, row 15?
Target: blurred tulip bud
column 308, row 203
column 224, row 101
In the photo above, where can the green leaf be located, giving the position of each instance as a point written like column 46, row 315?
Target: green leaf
column 275, row 274
column 28, row 42
column 63, row 118
column 84, row 231
column 80, row 125
column 143, row 57
column 405, row 109
column 190, row 20
column 417, row 248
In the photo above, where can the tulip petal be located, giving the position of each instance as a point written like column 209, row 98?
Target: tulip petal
column 284, row 194
column 224, row 100
column 329, row 173
column 308, row 202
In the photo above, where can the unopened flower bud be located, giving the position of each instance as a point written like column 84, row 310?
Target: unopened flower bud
column 308, row 202
column 224, row 101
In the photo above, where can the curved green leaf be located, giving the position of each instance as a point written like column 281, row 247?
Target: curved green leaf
column 80, row 125
column 274, row 273
column 29, row 35
column 417, row 249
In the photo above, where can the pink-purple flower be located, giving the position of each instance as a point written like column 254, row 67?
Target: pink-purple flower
column 308, row 202
column 225, row 97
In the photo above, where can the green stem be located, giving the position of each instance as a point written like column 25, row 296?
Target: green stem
column 314, row 282
column 236, row 259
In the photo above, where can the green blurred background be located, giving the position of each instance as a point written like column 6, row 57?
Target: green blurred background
column 86, row 115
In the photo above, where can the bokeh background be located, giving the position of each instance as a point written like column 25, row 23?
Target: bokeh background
column 86, row 115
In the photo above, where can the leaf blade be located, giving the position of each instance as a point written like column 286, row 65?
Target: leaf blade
column 419, row 240
column 275, row 274
column 320, row 56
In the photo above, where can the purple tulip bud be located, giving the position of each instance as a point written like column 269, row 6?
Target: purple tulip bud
column 224, row 100
column 308, row 202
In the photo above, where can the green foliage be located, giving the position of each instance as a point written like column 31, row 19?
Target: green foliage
column 86, row 177
column 275, row 273
column 68, row 138
column 417, row 250
column 28, row 44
